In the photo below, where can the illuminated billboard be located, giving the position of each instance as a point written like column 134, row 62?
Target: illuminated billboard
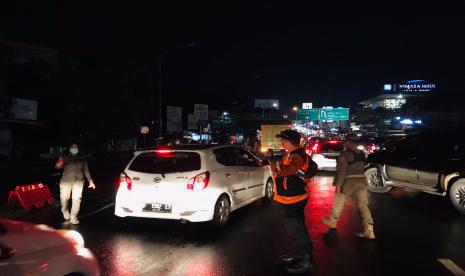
column 267, row 103
column 413, row 86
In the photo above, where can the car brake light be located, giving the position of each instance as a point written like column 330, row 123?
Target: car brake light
column 199, row 182
column 373, row 148
column 316, row 148
column 163, row 151
column 125, row 182
column 333, row 142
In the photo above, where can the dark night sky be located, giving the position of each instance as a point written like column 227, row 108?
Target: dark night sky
column 293, row 52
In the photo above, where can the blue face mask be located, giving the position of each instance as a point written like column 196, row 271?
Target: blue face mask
column 73, row 151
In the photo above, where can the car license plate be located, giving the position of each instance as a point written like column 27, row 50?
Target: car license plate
column 157, row 208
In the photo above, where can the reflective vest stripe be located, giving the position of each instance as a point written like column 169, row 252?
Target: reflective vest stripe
column 290, row 199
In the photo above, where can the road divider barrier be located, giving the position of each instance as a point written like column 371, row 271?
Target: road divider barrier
column 26, row 196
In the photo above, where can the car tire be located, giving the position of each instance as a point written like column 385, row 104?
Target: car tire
column 457, row 195
column 222, row 212
column 376, row 183
column 269, row 191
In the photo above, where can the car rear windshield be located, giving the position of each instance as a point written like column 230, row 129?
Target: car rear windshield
column 161, row 163
column 332, row 146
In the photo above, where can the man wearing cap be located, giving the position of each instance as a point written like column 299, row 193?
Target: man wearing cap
column 290, row 191
column 350, row 181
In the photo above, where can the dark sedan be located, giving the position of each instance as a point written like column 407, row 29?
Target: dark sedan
column 432, row 162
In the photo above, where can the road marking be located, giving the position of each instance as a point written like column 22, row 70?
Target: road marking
column 96, row 211
column 455, row 269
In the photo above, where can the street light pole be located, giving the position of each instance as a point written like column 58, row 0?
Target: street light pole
column 160, row 113
column 160, row 68
column 295, row 109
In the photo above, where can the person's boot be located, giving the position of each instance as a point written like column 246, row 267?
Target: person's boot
column 66, row 215
column 74, row 220
column 288, row 259
column 368, row 232
column 304, row 265
column 330, row 222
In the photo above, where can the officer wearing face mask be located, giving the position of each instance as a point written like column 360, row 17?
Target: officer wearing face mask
column 75, row 172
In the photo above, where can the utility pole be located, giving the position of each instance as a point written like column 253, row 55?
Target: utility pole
column 160, row 86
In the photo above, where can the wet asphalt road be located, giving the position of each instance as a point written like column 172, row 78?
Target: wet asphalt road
column 413, row 231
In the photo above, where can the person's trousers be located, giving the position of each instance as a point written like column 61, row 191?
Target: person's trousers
column 356, row 189
column 294, row 220
column 71, row 190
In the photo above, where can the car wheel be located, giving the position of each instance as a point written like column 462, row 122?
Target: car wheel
column 457, row 195
column 269, row 193
column 376, row 182
column 222, row 211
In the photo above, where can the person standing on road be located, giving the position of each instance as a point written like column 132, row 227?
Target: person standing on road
column 350, row 181
column 291, row 192
column 75, row 172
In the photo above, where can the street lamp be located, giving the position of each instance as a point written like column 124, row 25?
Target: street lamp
column 160, row 63
column 295, row 109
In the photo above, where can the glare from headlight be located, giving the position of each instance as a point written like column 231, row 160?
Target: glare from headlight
column 44, row 227
column 74, row 237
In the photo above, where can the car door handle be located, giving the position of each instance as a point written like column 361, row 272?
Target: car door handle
column 228, row 175
column 413, row 158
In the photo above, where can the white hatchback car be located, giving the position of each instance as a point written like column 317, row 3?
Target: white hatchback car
column 29, row 249
column 192, row 183
column 325, row 153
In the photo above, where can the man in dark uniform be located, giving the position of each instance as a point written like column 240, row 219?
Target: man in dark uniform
column 350, row 181
column 75, row 172
column 291, row 192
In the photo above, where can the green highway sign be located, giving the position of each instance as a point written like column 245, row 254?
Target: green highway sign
column 334, row 114
column 307, row 114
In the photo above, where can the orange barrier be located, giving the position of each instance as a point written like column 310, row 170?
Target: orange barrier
column 30, row 195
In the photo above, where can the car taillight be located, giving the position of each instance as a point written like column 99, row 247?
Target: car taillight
column 124, row 182
column 199, row 182
column 316, row 148
column 333, row 142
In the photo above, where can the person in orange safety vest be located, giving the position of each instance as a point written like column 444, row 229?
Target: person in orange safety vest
column 292, row 193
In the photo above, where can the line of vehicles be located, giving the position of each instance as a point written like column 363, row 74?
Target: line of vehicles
column 207, row 183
